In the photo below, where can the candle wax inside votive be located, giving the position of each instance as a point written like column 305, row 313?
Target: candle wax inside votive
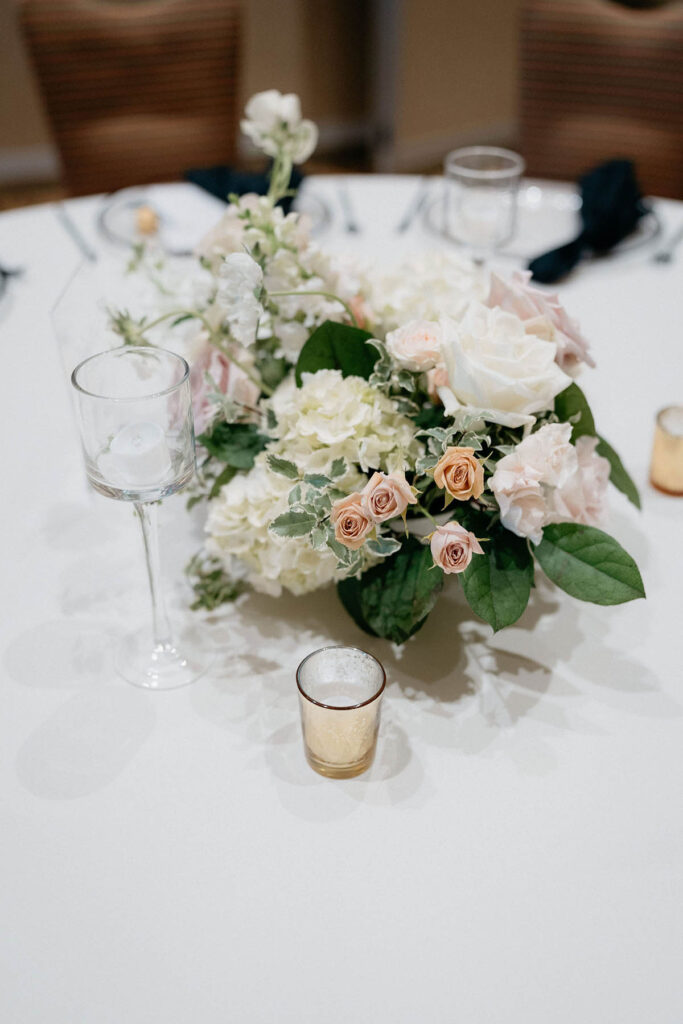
column 140, row 454
column 671, row 420
column 340, row 694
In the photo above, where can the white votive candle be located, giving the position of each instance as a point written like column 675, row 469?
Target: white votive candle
column 666, row 467
column 340, row 691
column 140, row 455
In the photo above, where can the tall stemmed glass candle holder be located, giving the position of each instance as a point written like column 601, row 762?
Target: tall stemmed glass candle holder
column 135, row 417
column 482, row 183
column 340, row 692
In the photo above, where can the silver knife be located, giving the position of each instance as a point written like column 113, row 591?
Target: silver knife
column 76, row 236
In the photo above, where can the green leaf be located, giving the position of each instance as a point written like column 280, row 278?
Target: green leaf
column 224, row 477
column 589, row 564
column 294, row 496
column 618, row 475
column 335, row 346
column 295, row 523
column 283, row 466
column 319, row 538
column 383, row 546
column 406, row 380
column 317, row 480
column 236, row 444
column 498, row 583
column 572, row 403
column 393, row 599
column 339, row 467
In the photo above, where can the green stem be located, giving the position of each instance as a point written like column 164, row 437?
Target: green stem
column 215, row 340
column 325, row 295
column 424, row 512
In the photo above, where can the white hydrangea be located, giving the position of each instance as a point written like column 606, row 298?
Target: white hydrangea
column 331, row 416
column 426, row 287
column 237, row 528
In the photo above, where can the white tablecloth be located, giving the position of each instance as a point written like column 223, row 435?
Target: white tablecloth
column 516, row 852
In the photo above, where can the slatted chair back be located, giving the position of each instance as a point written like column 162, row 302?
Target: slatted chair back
column 136, row 91
column 601, row 80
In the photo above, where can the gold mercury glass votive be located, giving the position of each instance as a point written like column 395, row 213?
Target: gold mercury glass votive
column 666, row 468
column 340, row 692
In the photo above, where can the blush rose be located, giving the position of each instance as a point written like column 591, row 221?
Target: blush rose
column 459, row 473
column 452, row 547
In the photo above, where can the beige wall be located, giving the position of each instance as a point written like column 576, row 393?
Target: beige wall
column 458, row 75
column 22, row 122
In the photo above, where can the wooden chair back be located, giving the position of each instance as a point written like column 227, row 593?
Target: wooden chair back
column 601, row 80
column 136, row 91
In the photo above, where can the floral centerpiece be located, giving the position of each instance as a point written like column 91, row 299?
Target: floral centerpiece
column 383, row 430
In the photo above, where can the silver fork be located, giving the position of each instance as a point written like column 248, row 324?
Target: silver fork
column 666, row 253
column 351, row 224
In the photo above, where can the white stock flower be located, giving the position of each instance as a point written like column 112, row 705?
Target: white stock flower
column 273, row 122
column 240, row 283
column 237, row 526
column 497, row 370
column 331, row 416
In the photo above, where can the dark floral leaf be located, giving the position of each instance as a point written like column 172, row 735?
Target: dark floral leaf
column 498, row 583
column 589, row 564
column 236, row 444
column 393, row 599
column 571, row 405
column 618, row 475
column 334, row 346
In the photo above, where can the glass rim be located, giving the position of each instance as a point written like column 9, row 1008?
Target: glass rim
column 133, row 398
column 662, row 426
column 343, row 707
column 518, row 163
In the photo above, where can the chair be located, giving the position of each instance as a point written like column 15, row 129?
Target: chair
column 601, row 80
column 136, row 91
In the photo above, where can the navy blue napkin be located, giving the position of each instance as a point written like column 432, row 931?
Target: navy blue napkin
column 611, row 206
column 225, row 181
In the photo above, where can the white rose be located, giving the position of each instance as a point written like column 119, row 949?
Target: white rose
column 544, row 315
column 498, row 371
column 416, row 345
column 240, row 283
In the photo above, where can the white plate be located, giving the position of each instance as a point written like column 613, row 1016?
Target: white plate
column 185, row 213
column 314, row 207
column 547, row 217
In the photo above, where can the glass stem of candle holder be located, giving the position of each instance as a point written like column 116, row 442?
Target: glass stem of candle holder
column 148, row 516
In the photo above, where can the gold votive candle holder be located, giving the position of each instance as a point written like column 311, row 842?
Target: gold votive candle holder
column 340, row 694
column 666, row 468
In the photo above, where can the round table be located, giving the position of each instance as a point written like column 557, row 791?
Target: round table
column 514, row 855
